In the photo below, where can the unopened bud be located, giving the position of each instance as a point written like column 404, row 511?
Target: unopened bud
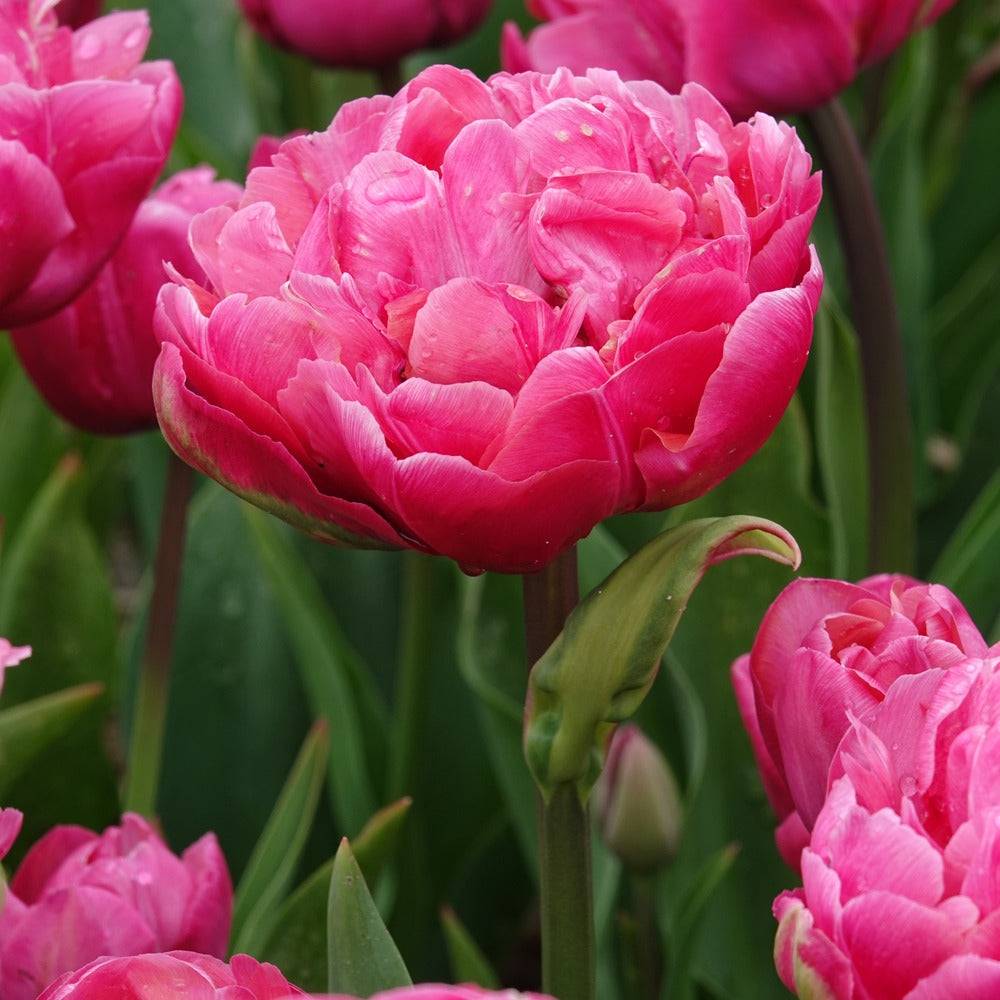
column 638, row 803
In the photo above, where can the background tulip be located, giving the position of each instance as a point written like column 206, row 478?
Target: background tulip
column 358, row 33
column 78, row 895
column 10, row 656
column 77, row 12
column 84, row 130
column 899, row 896
column 164, row 976
column 533, row 302
column 93, row 360
column 827, row 653
column 754, row 55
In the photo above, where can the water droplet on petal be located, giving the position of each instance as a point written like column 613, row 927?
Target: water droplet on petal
column 908, row 785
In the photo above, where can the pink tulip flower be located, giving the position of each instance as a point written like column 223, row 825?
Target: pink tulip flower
column 363, row 33
column 754, row 55
column 172, row 974
column 84, row 130
column 900, row 898
column 78, row 895
column 93, row 360
column 475, row 319
column 11, row 656
column 827, row 653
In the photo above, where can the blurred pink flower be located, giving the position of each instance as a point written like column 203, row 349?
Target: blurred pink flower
column 900, row 894
column 827, row 653
column 176, row 973
column 165, row 976
column 78, row 895
column 372, row 33
column 754, row 55
column 11, row 656
column 478, row 318
column 85, row 128
column 93, row 360
column 77, row 12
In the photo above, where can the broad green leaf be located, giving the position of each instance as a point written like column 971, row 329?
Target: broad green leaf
column 272, row 864
column 468, row 963
column 491, row 657
column 56, row 596
column 331, row 671
column 842, row 440
column 598, row 670
column 361, row 956
column 27, row 729
column 296, row 939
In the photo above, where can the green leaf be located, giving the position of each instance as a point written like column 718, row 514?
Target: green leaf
column 468, row 963
column 27, row 729
column 842, row 444
column 362, row 958
column 272, row 864
column 331, row 670
column 296, row 940
column 598, row 670
column 968, row 564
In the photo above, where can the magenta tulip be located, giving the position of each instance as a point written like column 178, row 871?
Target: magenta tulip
column 76, row 13
column 85, row 129
column 173, row 974
column 93, row 360
column 900, row 897
column 363, row 33
column 478, row 318
column 78, row 895
column 754, row 55
column 827, row 653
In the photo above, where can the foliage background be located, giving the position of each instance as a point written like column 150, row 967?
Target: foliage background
column 275, row 629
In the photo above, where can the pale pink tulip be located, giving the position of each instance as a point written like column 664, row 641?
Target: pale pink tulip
column 900, row 899
column 85, row 129
column 828, row 652
column 754, row 55
column 478, row 318
column 93, row 360
column 363, row 33
column 78, row 895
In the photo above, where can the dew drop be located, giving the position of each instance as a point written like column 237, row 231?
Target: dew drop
column 89, row 47
column 908, row 785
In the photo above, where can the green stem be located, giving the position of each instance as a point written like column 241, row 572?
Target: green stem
column 565, row 876
column 149, row 719
column 890, row 447
column 414, row 660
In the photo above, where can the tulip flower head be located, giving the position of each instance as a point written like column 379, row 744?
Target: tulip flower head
column 85, row 129
column 363, row 33
column 899, row 898
column 826, row 655
column 476, row 319
column 78, row 895
column 754, row 55
column 93, row 360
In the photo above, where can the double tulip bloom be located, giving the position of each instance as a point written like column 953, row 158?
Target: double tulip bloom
column 85, row 128
column 93, row 360
column 163, row 977
column 477, row 318
column 771, row 55
column 875, row 714
column 363, row 33
column 78, row 895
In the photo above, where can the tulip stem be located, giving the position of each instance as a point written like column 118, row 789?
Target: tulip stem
column 150, row 715
column 890, row 447
column 413, row 673
column 565, row 876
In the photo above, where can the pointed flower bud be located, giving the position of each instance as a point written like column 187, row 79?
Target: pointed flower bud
column 637, row 802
